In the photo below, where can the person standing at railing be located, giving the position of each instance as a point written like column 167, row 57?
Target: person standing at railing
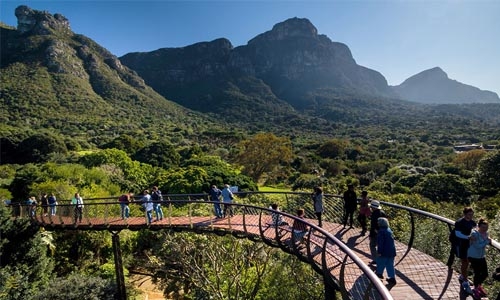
column 317, row 198
column 364, row 211
column 476, row 254
column 215, row 194
column 463, row 229
column 77, row 201
column 147, row 204
column 350, row 205
column 157, row 199
column 376, row 213
column 31, row 206
column 52, row 204
column 227, row 198
column 44, row 202
column 299, row 227
column 125, row 200
column 386, row 251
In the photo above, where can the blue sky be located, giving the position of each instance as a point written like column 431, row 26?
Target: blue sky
column 396, row 38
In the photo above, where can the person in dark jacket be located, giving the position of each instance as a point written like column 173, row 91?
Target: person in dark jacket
column 386, row 251
column 463, row 229
column 350, row 204
column 215, row 194
column 377, row 212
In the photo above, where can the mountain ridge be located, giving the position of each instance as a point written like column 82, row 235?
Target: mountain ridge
column 434, row 86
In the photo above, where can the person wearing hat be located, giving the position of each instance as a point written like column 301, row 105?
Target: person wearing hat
column 377, row 213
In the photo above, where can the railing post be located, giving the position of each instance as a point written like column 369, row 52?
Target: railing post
column 120, row 277
column 330, row 293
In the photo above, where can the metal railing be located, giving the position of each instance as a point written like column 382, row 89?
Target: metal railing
column 342, row 270
column 339, row 265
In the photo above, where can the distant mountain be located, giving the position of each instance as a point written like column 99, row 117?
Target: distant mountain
column 289, row 67
column 52, row 78
column 434, row 86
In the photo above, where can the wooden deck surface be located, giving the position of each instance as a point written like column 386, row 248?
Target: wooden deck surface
column 419, row 276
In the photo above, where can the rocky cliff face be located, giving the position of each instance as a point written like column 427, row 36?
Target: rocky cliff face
column 47, row 39
column 40, row 22
column 292, row 60
column 434, row 86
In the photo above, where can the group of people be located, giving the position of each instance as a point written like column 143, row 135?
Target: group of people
column 469, row 244
column 227, row 196
column 382, row 244
column 49, row 205
column 150, row 203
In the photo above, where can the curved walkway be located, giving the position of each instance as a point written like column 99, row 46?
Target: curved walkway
column 419, row 276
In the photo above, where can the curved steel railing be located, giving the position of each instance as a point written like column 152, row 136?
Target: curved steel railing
column 341, row 269
column 329, row 256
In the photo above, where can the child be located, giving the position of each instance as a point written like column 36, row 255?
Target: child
column 299, row 227
column 277, row 217
column 386, row 251
column 364, row 211
column 479, row 239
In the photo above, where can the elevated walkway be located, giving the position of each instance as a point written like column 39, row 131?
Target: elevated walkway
column 340, row 254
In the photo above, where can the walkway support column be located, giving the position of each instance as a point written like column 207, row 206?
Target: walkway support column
column 330, row 291
column 120, row 277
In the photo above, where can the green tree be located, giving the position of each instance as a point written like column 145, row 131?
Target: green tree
column 487, row 176
column 125, row 143
column 444, row 188
column 37, row 148
column 159, row 154
column 227, row 268
column 136, row 175
column 334, row 148
column 263, row 153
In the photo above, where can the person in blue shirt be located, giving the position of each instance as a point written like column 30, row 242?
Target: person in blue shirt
column 476, row 254
column 147, row 203
column 227, row 198
column 386, row 251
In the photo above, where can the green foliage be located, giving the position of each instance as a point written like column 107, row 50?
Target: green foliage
column 444, row 188
column 125, row 143
column 487, row 177
column 78, row 287
column 159, row 154
column 263, row 154
column 38, row 147
column 136, row 175
column 24, row 265
column 228, row 268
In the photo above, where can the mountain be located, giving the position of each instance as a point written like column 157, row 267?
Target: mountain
column 278, row 71
column 434, row 86
column 54, row 78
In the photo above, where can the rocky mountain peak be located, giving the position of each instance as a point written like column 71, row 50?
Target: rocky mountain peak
column 40, row 22
column 290, row 28
column 434, row 86
column 433, row 74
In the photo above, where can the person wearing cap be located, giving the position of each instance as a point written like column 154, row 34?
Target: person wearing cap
column 377, row 212
column 350, row 204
